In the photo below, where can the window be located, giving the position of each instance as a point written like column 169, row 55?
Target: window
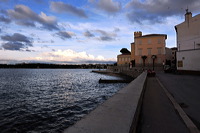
column 140, row 61
column 159, row 50
column 140, row 51
column 149, row 51
column 159, row 60
column 149, row 41
column 140, row 42
column 180, row 63
column 159, row 41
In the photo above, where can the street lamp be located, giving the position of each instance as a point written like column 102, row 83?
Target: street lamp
column 153, row 57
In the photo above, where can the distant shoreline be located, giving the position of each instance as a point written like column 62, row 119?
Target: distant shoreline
column 54, row 66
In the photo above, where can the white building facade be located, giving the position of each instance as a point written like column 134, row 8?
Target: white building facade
column 188, row 43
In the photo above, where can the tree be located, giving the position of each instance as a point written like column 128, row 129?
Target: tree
column 144, row 58
column 125, row 51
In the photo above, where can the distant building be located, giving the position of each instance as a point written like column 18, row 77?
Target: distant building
column 168, row 56
column 146, row 46
column 188, row 43
column 173, row 59
column 124, row 58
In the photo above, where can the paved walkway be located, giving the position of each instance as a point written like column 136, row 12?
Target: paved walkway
column 158, row 114
column 186, row 91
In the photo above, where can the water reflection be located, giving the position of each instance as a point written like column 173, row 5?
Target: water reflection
column 49, row 100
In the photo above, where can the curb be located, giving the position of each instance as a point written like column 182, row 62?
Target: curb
column 188, row 122
column 134, row 125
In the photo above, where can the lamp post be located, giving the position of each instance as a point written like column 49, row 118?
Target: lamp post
column 153, row 57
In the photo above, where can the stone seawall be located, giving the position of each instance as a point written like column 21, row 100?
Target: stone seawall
column 118, row 114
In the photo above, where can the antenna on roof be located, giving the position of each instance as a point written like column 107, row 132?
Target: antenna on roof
column 187, row 9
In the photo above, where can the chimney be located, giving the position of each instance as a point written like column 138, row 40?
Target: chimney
column 137, row 34
column 188, row 16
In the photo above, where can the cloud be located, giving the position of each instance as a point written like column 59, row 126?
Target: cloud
column 116, row 30
column 12, row 46
column 4, row 19
column 61, row 7
column 106, row 36
column 108, row 6
column 16, row 37
column 70, row 56
column 100, row 35
column 88, row 34
column 26, row 23
column 23, row 15
column 16, row 42
column 156, row 11
column 65, row 35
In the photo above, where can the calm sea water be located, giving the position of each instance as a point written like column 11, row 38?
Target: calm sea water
column 49, row 100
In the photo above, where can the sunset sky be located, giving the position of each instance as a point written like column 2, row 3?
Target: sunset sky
column 83, row 31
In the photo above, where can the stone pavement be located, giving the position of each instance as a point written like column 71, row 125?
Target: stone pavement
column 158, row 115
column 186, row 91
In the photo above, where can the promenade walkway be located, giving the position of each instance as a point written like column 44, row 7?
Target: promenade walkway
column 186, row 91
column 158, row 115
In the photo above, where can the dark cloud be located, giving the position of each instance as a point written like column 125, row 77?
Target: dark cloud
column 65, row 35
column 4, row 19
column 100, row 35
column 16, row 42
column 26, row 23
column 16, row 37
column 15, row 46
column 141, row 17
column 23, row 15
column 88, row 34
column 61, row 7
column 12, row 46
column 156, row 11
column 106, row 36
column 108, row 6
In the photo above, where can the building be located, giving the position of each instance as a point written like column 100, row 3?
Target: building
column 145, row 47
column 173, row 59
column 188, row 43
column 171, row 56
column 124, row 58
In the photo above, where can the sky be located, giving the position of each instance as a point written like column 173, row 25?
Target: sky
column 83, row 31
